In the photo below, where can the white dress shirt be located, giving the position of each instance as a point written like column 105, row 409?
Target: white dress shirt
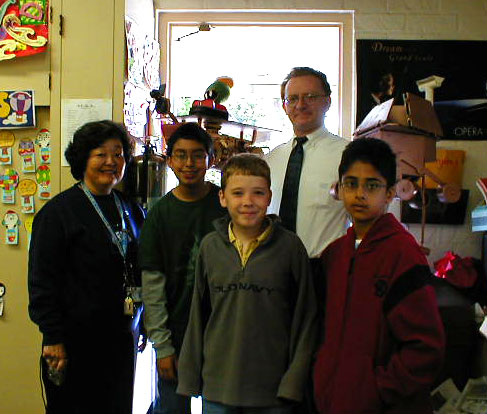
column 320, row 218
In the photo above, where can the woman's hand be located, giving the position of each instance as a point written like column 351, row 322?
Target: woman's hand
column 55, row 356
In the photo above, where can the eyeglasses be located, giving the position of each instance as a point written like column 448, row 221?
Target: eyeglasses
column 369, row 187
column 308, row 99
column 196, row 157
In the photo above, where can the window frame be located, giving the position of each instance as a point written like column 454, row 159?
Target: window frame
column 343, row 19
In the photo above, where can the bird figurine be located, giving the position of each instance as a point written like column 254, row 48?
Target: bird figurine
column 215, row 94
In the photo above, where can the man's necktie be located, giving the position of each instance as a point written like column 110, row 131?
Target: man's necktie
column 289, row 200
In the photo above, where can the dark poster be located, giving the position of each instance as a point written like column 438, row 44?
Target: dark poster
column 388, row 68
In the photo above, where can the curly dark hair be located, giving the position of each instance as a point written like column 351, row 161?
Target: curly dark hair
column 90, row 136
column 305, row 71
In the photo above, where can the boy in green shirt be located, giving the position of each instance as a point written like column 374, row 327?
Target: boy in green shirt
column 169, row 245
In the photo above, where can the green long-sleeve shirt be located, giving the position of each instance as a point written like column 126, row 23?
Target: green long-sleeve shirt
column 168, row 249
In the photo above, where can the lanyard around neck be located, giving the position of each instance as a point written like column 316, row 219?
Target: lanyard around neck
column 122, row 247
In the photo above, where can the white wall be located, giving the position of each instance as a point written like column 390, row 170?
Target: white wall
column 402, row 19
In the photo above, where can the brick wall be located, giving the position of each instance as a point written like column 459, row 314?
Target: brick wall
column 386, row 19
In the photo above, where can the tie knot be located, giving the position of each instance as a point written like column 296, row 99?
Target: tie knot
column 301, row 140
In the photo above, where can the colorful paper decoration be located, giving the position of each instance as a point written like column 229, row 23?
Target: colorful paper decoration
column 3, row 290
column 135, row 44
column 27, row 188
column 43, row 177
column 7, row 139
column 28, row 228
column 135, row 110
column 11, row 222
column 8, row 183
column 17, row 109
column 142, row 76
column 43, row 140
column 27, row 154
column 24, row 28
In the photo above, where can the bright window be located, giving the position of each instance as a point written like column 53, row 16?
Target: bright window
column 257, row 49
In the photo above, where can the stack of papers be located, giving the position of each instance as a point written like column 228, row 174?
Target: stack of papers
column 446, row 398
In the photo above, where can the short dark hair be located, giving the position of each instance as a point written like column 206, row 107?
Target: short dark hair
column 90, row 136
column 305, row 71
column 245, row 164
column 192, row 131
column 374, row 151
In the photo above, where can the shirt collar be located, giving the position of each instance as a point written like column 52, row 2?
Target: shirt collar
column 262, row 236
column 313, row 136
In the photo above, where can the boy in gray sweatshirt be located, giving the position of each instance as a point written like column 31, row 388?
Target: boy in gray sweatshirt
column 252, row 325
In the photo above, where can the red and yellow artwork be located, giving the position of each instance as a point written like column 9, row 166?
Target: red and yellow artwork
column 23, row 27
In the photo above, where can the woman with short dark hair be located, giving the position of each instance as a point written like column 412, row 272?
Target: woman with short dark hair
column 83, row 279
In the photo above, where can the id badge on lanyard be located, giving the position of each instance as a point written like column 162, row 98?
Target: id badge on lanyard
column 122, row 245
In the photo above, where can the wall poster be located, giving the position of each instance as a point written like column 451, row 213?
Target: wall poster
column 24, row 28
column 17, row 109
column 389, row 68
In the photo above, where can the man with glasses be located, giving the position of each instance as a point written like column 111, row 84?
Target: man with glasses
column 304, row 169
column 169, row 244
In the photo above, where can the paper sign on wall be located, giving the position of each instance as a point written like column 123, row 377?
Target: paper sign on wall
column 77, row 112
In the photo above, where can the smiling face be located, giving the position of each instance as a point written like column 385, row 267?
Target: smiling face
column 365, row 195
column 306, row 117
column 189, row 162
column 246, row 197
column 105, row 167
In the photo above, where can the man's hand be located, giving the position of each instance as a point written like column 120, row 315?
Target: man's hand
column 167, row 368
column 55, row 356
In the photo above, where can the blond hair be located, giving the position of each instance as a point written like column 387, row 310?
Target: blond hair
column 245, row 164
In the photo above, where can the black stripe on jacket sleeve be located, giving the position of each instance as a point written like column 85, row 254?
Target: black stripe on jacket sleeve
column 410, row 281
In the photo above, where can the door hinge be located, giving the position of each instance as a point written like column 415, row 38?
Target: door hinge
column 50, row 80
column 61, row 24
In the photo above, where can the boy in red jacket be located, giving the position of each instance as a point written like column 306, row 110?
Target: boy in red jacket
column 383, row 336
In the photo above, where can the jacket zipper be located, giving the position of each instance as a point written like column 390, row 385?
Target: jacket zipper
column 347, row 304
